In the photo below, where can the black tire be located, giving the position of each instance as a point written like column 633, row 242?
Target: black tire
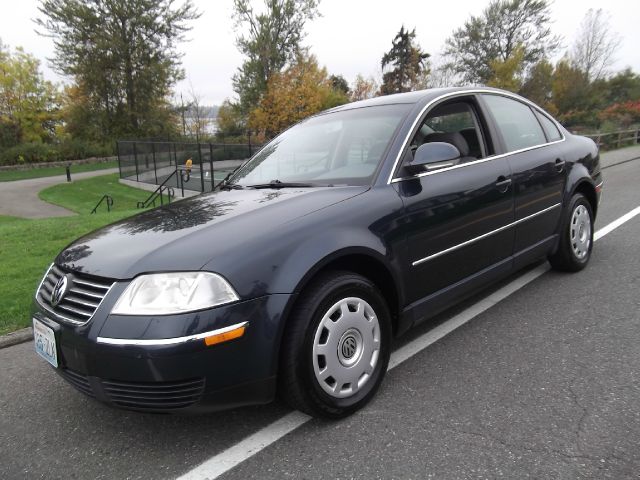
column 298, row 384
column 566, row 258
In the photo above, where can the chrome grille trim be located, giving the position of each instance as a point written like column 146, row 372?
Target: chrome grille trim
column 81, row 300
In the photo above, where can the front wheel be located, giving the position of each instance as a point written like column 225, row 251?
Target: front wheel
column 336, row 346
column 576, row 236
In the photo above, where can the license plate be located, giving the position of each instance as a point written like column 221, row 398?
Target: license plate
column 45, row 341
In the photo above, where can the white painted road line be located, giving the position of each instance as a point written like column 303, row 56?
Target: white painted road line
column 616, row 223
column 245, row 449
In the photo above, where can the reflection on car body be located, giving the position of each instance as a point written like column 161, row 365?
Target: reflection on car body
column 341, row 233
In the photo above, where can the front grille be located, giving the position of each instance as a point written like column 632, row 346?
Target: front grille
column 154, row 396
column 84, row 295
column 77, row 380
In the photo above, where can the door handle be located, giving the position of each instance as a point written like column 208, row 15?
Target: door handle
column 503, row 184
column 559, row 165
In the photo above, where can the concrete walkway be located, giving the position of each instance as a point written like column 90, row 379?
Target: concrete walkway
column 20, row 198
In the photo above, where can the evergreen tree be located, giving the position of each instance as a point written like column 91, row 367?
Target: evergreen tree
column 408, row 64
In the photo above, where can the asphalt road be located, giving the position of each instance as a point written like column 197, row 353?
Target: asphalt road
column 545, row 384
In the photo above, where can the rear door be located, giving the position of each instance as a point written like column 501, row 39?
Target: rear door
column 454, row 217
column 538, row 168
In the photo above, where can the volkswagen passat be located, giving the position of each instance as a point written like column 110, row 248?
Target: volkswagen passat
column 341, row 233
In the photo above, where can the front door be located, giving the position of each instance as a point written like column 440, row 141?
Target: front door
column 456, row 218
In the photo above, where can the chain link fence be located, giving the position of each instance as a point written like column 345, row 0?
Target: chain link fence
column 153, row 162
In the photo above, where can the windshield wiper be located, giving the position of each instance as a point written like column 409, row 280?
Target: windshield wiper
column 230, row 186
column 279, row 184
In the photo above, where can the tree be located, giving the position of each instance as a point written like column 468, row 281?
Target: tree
column 271, row 39
column 363, row 88
column 571, row 94
column 301, row 90
column 198, row 121
column 230, row 120
column 595, row 45
column 496, row 33
column 340, row 84
column 408, row 63
column 507, row 74
column 29, row 105
column 122, row 54
column 621, row 87
column 538, row 86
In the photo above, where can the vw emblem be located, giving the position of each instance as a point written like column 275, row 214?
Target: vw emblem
column 59, row 290
column 348, row 347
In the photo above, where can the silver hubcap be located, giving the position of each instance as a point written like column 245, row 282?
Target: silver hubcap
column 580, row 232
column 346, row 347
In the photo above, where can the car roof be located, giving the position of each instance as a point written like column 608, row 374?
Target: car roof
column 420, row 96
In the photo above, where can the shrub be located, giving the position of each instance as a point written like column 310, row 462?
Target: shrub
column 37, row 152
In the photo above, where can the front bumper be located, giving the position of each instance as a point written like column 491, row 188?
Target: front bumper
column 162, row 363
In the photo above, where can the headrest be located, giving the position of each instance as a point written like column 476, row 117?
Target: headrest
column 454, row 138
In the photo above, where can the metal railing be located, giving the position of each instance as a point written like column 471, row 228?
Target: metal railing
column 158, row 193
column 108, row 199
column 613, row 140
column 156, row 162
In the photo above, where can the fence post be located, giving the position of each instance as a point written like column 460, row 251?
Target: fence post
column 249, row 139
column 201, row 170
column 211, row 165
column 119, row 162
column 619, row 139
column 135, row 157
column 155, row 171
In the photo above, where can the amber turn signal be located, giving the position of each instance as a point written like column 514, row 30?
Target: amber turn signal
column 224, row 337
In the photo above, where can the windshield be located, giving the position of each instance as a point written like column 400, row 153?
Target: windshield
column 341, row 148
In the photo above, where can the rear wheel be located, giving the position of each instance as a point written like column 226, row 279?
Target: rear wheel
column 576, row 236
column 336, row 346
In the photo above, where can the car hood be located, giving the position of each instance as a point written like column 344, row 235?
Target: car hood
column 182, row 235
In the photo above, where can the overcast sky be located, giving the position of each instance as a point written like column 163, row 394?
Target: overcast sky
column 349, row 38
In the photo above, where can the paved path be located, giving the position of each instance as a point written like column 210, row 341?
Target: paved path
column 20, row 198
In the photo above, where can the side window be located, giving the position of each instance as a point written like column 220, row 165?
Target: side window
column 550, row 128
column 453, row 123
column 517, row 123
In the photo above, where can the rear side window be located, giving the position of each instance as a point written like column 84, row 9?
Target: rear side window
column 550, row 128
column 517, row 123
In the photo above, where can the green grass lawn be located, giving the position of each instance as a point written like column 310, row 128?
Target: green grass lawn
column 82, row 195
column 10, row 175
column 27, row 247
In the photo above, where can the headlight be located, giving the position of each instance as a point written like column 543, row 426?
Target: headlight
column 174, row 292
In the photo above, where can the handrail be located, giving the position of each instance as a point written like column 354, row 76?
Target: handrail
column 151, row 199
column 109, row 200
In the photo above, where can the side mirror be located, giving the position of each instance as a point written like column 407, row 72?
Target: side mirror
column 433, row 155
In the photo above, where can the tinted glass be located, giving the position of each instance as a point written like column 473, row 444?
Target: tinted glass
column 342, row 148
column 516, row 122
column 550, row 128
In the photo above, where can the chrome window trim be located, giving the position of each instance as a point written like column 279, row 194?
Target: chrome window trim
column 459, row 93
column 484, row 235
column 169, row 341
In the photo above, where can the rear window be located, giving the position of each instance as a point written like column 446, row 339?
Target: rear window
column 550, row 128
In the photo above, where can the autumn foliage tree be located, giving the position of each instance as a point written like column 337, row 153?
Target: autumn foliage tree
column 29, row 105
column 299, row 91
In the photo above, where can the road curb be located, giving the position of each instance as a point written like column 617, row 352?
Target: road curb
column 14, row 338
